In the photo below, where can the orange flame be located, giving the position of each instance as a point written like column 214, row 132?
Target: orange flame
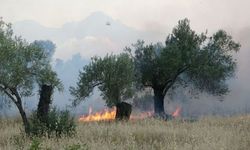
column 99, row 116
column 109, row 114
column 177, row 112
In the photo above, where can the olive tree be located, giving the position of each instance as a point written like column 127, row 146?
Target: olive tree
column 187, row 59
column 46, row 88
column 23, row 65
column 112, row 75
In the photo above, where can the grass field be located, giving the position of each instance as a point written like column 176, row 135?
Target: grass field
column 206, row 134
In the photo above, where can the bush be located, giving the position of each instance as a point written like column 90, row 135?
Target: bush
column 35, row 145
column 58, row 123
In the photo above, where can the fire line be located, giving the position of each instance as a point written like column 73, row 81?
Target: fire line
column 109, row 114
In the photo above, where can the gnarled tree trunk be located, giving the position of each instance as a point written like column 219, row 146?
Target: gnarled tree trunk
column 44, row 102
column 13, row 94
column 159, row 102
column 24, row 117
column 123, row 111
column 19, row 105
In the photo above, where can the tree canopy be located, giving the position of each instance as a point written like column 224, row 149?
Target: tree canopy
column 113, row 75
column 23, row 65
column 187, row 59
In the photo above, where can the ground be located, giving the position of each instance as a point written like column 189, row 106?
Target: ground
column 211, row 133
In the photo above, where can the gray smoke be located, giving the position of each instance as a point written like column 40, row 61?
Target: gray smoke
column 77, row 41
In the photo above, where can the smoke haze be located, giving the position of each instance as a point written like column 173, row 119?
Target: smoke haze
column 80, row 39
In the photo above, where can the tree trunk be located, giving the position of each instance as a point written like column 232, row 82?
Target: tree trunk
column 23, row 115
column 16, row 98
column 123, row 111
column 159, row 102
column 44, row 102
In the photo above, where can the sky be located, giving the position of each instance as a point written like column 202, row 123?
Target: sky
column 140, row 14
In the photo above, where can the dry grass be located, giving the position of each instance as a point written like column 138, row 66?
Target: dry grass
column 210, row 133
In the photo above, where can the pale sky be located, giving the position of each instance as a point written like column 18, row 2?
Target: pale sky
column 140, row 14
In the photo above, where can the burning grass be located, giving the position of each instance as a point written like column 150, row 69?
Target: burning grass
column 208, row 133
column 110, row 114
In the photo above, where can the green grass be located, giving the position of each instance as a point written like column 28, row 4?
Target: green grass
column 206, row 134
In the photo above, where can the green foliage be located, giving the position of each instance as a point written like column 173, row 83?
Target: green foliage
column 24, row 63
column 35, row 145
column 23, row 66
column 58, row 123
column 46, row 75
column 187, row 59
column 113, row 75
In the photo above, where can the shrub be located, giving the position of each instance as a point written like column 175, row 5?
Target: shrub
column 58, row 123
column 35, row 145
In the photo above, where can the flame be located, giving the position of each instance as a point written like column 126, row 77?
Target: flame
column 109, row 114
column 177, row 112
column 105, row 115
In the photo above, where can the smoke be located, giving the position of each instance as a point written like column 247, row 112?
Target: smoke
column 234, row 103
column 92, row 37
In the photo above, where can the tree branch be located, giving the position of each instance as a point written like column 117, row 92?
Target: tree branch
column 171, row 81
column 18, row 97
column 4, row 89
column 96, row 84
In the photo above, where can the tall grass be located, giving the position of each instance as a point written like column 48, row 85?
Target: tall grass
column 206, row 134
